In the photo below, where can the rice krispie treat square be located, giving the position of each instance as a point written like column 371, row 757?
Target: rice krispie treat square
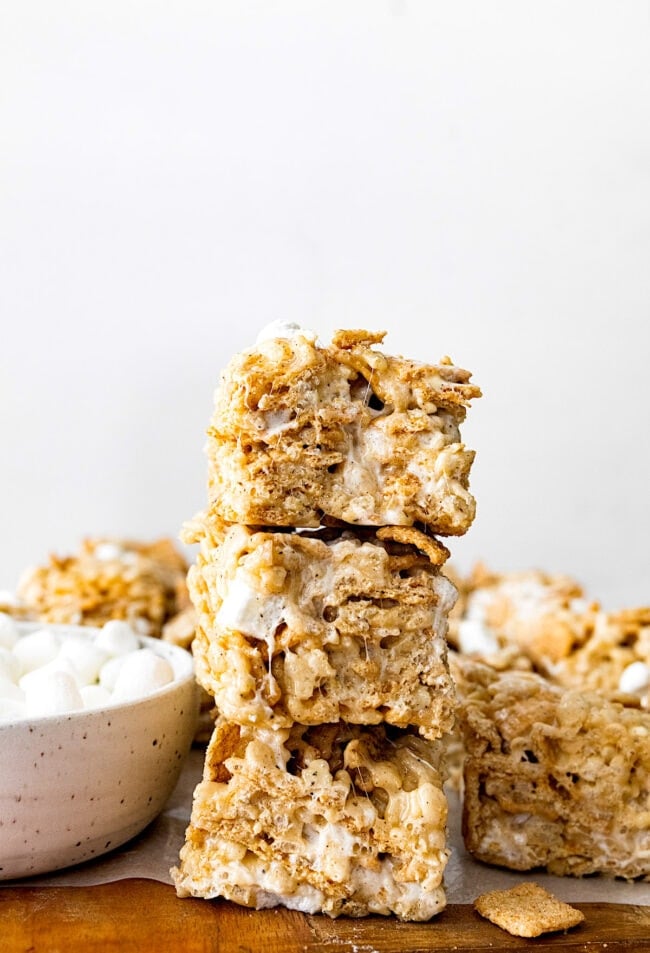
column 545, row 620
column 303, row 433
column 322, row 626
column 140, row 582
column 553, row 777
column 336, row 819
column 543, row 615
column 613, row 658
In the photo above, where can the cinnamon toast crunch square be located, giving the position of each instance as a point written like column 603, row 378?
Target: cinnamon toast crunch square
column 143, row 583
column 547, row 620
column 527, row 910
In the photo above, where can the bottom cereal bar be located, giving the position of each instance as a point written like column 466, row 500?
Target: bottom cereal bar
column 339, row 819
column 553, row 777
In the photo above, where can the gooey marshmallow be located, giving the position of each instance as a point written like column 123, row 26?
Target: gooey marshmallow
column 284, row 329
column 635, row 678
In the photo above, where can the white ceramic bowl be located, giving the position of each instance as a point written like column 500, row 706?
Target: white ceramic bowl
column 75, row 786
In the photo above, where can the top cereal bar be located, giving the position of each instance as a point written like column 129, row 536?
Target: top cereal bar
column 304, row 434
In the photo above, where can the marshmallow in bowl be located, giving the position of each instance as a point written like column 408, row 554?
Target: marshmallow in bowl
column 9, row 691
column 116, row 638
column 36, row 649
column 9, row 665
column 56, row 695
column 94, row 696
column 8, row 631
column 46, row 672
column 110, row 671
column 86, row 657
column 12, row 709
column 142, row 672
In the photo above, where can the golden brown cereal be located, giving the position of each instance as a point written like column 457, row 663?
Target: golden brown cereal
column 527, row 910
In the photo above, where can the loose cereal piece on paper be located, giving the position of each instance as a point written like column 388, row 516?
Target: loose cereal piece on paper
column 527, row 910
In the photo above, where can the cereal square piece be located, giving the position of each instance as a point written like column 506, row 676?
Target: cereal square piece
column 527, row 910
column 337, row 819
column 553, row 777
column 321, row 626
column 303, row 433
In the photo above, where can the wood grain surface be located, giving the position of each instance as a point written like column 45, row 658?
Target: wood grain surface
column 144, row 915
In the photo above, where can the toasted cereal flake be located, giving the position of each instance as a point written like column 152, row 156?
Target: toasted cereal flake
column 527, row 910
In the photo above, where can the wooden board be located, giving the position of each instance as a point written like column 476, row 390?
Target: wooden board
column 138, row 916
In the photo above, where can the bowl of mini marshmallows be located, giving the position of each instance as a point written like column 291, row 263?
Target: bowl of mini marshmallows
column 95, row 725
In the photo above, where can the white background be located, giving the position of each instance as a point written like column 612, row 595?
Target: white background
column 472, row 177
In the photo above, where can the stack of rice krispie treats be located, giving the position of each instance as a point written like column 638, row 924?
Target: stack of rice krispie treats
column 321, row 627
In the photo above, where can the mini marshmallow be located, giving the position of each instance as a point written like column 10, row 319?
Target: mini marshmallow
column 36, row 680
column 474, row 638
column 9, row 689
column 117, row 638
column 9, row 665
column 143, row 672
column 36, row 649
column 86, row 656
column 94, row 696
column 8, row 631
column 110, row 670
column 55, row 695
column 107, row 552
column 635, row 677
column 281, row 328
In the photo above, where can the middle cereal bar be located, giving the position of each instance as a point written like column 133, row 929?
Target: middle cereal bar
column 320, row 626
